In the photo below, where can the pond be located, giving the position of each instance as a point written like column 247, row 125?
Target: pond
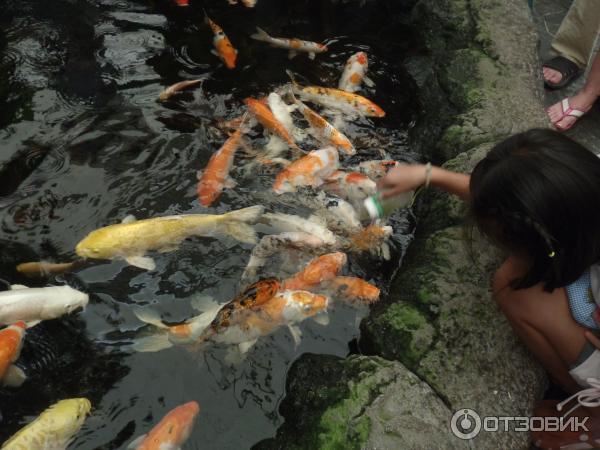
column 85, row 144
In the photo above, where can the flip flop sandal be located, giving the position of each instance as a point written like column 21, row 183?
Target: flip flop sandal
column 568, row 69
column 567, row 438
column 566, row 112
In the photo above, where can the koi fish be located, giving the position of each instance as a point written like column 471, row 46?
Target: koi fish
column 223, row 48
column 310, row 170
column 54, row 428
column 268, row 120
column 317, row 271
column 376, row 169
column 177, row 87
column 354, row 73
column 32, row 305
column 372, row 239
column 352, row 288
column 282, row 113
column 182, row 2
column 351, row 186
column 11, row 342
column 216, row 174
column 273, row 243
column 210, row 321
column 293, row 223
column 243, row 326
column 171, row 432
column 45, row 269
column 325, row 133
column 132, row 239
column 337, row 99
column 293, row 45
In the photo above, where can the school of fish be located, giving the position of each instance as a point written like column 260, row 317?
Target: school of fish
column 314, row 178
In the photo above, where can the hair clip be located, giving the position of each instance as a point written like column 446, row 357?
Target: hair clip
column 552, row 254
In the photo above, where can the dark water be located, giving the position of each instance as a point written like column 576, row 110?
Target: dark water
column 84, row 143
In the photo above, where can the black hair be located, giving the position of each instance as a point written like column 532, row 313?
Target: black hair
column 537, row 194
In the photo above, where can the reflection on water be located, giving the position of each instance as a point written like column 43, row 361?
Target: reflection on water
column 84, row 144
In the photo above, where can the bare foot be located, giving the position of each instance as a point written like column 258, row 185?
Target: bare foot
column 551, row 75
column 582, row 101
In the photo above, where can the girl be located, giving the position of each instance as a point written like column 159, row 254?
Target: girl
column 537, row 196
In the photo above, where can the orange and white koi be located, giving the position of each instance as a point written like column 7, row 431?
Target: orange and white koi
column 172, row 431
column 325, row 133
column 293, row 45
column 11, row 342
column 201, row 327
column 354, row 73
column 267, row 119
column 337, row 99
column 215, row 176
column 352, row 288
column 321, row 269
column 223, row 48
column 310, row 170
column 177, row 87
column 351, row 186
column 376, row 169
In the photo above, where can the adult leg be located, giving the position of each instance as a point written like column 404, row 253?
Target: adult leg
column 582, row 101
column 543, row 321
column 576, row 36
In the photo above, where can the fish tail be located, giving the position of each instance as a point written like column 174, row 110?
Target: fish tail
column 150, row 316
column 292, row 78
column 155, row 342
column 260, row 35
column 238, row 224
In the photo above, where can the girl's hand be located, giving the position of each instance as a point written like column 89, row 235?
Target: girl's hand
column 402, row 178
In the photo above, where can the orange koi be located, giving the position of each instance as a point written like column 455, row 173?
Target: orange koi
column 267, row 119
column 216, row 174
column 376, row 169
column 323, row 268
column 11, row 342
column 223, row 48
column 44, row 269
column 310, row 170
column 172, row 431
column 337, row 99
column 174, row 88
column 325, row 132
column 354, row 73
column 353, row 288
column 293, row 45
column 182, row 2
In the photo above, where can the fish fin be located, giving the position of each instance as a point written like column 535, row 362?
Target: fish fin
column 216, row 53
column 312, row 55
column 14, row 376
column 245, row 346
column 151, row 344
column 237, row 223
column 292, row 54
column 149, row 316
column 199, row 174
column 203, row 303
column 368, row 82
column 16, row 287
column 143, row 262
column 260, row 35
column 292, row 78
column 229, row 183
column 318, row 220
column 322, row 319
column 296, row 334
column 129, row 219
column 137, row 441
column 33, row 323
column 167, row 249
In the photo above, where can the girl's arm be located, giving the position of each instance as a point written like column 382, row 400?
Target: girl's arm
column 406, row 177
